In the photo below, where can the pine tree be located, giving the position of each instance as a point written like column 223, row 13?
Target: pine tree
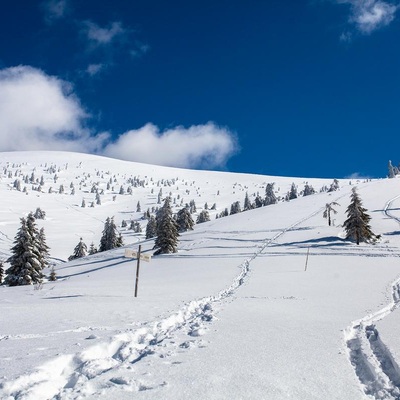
column 357, row 223
column 247, row 203
column 329, row 209
column 1, row 272
column 53, row 275
column 270, row 197
column 393, row 171
column 26, row 265
column 138, row 207
column 334, row 186
column 167, row 231
column 39, row 213
column 204, row 216
column 184, row 220
column 235, row 208
column 293, row 192
column 43, row 248
column 151, row 228
column 79, row 251
column 92, row 249
column 109, row 239
column 308, row 190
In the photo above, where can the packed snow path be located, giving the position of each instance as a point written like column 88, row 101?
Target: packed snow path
column 374, row 365
column 74, row 376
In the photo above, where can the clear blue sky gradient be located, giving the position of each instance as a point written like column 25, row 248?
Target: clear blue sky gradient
column 301, row 101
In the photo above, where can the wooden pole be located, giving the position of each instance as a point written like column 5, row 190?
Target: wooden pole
column 137, row 270
column 308, row 252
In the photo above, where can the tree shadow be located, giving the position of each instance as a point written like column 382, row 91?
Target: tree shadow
column 320, row 242
column 392, row 233
column 96, row 269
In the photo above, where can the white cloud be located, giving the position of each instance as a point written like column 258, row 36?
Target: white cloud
column 94, row 69
column 357, row 175
column 40, row 112
column 197, row 146
column 369, row 15
column 55, row 9
column 103, row 36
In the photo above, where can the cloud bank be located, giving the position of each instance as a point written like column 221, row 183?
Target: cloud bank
column 41, row 112
column 54, row 10
column 370, row 15
column 199, row 145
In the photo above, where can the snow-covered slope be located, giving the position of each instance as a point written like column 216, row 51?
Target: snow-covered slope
column 232, row 315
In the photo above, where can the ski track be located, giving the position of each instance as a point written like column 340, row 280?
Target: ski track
column 72, row 376
column 373, row 363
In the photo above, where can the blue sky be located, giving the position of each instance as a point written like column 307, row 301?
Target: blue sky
column 297, row 88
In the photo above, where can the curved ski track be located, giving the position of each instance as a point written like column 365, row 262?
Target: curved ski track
column 374, row 365
column 71, row 376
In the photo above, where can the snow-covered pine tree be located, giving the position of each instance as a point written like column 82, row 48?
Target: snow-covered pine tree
column 334, row 186
column 92, row 249
column 270, row 197
column 192, row 206
column 109, row 238
column 79, row 251
column 151, row 228
column 258, row 202
column 138, row 207
column 308, row 190
column 53, row 275
column 357, row 223
column 1, row 272
column 25, row 261
column 247, row 204
column 293, row 192
column 39, row 213
column 184, row 220
column 204, row 216
column 167, row 230
column 235, row 208
column 391, row 173
column 120, row 240
column 43, row 248
column 329, row 209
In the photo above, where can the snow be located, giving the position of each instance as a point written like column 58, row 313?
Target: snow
column 232, row 315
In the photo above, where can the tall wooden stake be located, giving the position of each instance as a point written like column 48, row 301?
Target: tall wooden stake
column 308, row 252
column 137, row 269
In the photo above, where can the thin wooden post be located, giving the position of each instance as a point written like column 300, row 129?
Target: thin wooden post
column 308, row 252
column 137, row 270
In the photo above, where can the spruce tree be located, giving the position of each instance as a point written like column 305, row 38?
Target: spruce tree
column 357, row 223
column 53, row 275
column 26, row 260
column 293, row 192
column 79, row 251
column 39, row 213
column 308, row 190
column 184, row 220
column 92, row 249
column 270, row 197
column 247, row 203
column 204, row 216
column 235, row 208
column 151, row 228
column 1, row 272
column 167, row 231
column 44, row 249
column 109, row 239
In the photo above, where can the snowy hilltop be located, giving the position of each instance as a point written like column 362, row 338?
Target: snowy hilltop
column 265, row 294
